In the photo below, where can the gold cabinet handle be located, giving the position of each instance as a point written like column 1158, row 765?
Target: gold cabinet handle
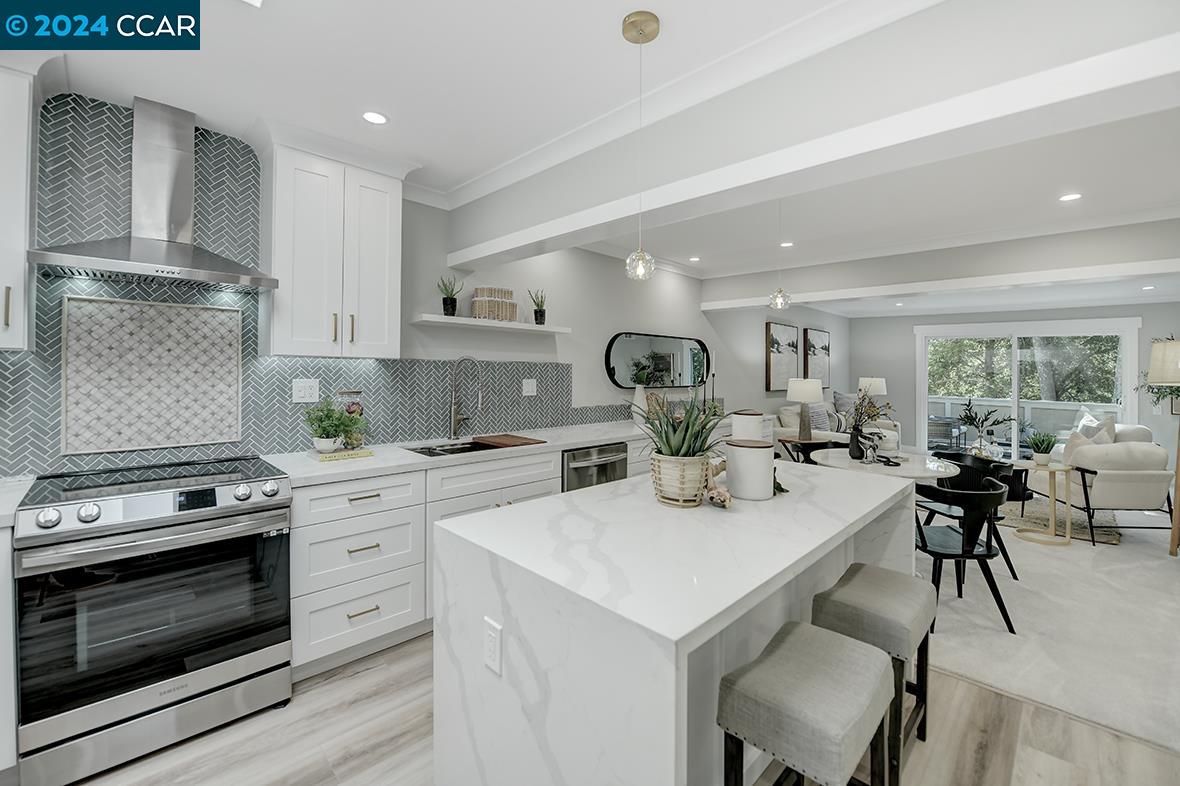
column 7, row 306
column 509, row 502
column 359, row 549
column 353, row 615
column 496, row 505
column 364, row 498
column 352, row 328
column 335, row 326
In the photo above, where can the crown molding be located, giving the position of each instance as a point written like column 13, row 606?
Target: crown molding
column 425, row 196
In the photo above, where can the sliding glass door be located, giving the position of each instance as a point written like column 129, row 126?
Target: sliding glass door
column 1031, row 376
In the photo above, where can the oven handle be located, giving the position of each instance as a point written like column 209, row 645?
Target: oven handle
column 597, row 462
column 91, row 552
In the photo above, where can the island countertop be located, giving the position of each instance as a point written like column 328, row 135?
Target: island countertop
column 681, row 574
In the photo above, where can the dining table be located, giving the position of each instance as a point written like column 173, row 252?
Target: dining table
column 918, row 467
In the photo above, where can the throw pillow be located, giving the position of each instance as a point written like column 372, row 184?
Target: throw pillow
column 1083, row 418
column 788, row 416
column 844, row 402
column 1099, row 433
column 819, row 418
column 1075, row 441
column 839, row 422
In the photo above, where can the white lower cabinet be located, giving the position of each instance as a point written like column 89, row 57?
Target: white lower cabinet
column 337, row 552
column 331, row 620
column 444, row 509
column 334, row 501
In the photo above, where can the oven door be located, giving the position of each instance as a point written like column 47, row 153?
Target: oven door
column 114, row 627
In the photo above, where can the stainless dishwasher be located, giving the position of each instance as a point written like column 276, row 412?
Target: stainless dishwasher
column 590, row 466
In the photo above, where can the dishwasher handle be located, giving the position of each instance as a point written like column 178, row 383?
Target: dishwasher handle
column 597, row 462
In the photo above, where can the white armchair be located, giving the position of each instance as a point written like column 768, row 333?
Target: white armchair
column 1130, row 473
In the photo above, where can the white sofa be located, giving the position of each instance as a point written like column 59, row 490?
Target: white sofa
column 1130, row 473
column 787, row 427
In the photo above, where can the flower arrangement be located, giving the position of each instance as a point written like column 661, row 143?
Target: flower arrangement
column 867, row 409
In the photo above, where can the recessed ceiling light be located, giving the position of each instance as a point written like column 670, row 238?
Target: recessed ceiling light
column 694, row 259
column 899, row 304
column 786, row 244
column 1068, row 197
column 1148, row 288
column 376, row 118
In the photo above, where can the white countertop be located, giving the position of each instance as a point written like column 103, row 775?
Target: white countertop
column 12, row 491
column 306, row 470
column 674, row 571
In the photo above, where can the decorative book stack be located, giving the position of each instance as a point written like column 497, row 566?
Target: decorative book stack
column 493, row 303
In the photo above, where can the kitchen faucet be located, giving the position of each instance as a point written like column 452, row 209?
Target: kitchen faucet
column 456, row 418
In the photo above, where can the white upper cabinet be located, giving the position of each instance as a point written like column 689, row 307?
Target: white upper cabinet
column 16, row 111
column 335, row 248
column 372, row 264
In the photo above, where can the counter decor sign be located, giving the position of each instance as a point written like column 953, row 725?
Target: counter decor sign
column 101, row 24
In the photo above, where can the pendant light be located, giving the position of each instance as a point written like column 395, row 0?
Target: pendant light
column 640, row 27
column 780, row 299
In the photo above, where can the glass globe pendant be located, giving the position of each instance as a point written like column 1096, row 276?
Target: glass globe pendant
column 640, row 265
column 780, row 300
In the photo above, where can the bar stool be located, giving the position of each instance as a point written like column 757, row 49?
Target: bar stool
column 814, row 700
column 893, row 612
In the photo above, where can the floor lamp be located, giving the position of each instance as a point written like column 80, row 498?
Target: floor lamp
column 1164, row 371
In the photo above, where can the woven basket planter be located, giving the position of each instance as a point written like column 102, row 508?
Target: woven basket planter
column 680, row 480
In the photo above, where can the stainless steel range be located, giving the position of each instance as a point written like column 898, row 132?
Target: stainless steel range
column 153, row 603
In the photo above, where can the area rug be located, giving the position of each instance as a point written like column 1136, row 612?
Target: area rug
column 1097, row 631
column 1036, row 514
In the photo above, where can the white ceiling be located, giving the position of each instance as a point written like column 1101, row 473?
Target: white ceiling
column 468, row 86
column 1096, row 292
column 1127, row 171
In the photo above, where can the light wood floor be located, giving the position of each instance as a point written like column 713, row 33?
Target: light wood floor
column 370, row 723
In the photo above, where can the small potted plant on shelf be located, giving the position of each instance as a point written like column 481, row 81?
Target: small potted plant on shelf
column 1042, row 445
column 681, row 444
column 538, row 299
column 331, row 426
column 450, row 287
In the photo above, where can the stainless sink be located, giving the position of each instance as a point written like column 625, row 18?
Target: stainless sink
column 451, row 449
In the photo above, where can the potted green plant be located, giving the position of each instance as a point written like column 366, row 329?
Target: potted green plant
column 538, row 299
column 681, row 444
column 331, row 426
column 981, row 422
column 1042, row 445
column 450, row 287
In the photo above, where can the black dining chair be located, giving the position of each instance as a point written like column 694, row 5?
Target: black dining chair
column 962, row 544
column 972, row 471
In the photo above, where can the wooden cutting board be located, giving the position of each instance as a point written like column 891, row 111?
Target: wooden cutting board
column 506, row 440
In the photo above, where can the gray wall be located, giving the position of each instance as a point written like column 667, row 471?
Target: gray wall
column 884, row 347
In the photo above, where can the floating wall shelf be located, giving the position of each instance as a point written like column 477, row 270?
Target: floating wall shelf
column 433, row 320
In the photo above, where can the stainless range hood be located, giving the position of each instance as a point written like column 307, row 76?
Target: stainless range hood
column 160, row 246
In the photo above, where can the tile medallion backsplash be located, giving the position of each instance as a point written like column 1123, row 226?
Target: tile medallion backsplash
column 84, row 192
column 138, row 375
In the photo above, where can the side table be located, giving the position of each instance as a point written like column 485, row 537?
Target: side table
column 1049, row 537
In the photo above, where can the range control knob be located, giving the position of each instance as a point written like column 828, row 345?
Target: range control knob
column 242, row 492
column 48, row 518
column 89, row 512
column 270, row 488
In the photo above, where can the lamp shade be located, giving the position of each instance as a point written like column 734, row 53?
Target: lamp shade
column 874, row 386
column 1165, row 364
column 805, row 391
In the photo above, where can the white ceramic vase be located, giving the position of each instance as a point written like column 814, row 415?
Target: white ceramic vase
column 749, row 468
column 1041, row 459
column 327, row 445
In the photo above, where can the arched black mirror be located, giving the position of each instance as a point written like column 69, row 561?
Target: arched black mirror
column 656, row 361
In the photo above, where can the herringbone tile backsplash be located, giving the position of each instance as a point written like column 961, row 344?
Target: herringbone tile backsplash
column 84, row 193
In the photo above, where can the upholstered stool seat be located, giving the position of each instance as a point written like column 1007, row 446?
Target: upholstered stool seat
column 814, row 700
column 894, row 612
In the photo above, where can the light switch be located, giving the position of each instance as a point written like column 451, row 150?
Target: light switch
column 528, row 387
column 305, row 391
column 492, row 644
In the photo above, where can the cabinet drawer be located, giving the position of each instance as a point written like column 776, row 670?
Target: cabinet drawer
column 542, row 488
column 337, row 552
column 341, row 617
column 329, row 501
column 447, row 482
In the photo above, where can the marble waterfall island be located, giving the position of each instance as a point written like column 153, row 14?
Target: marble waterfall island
column 619, row 616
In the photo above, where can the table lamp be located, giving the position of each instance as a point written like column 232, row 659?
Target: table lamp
column 1164, row 370
column 874, row 386
column 805, row 392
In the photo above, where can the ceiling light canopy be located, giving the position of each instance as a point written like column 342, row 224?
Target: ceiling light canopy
column 376, row 118
column 1069, row 197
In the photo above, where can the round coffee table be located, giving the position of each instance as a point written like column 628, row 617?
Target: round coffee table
column 1049, row 537
column 917, row 467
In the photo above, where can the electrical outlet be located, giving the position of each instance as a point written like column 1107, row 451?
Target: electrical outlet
column 528, row 387
column 492, row 646
column 305, row 391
